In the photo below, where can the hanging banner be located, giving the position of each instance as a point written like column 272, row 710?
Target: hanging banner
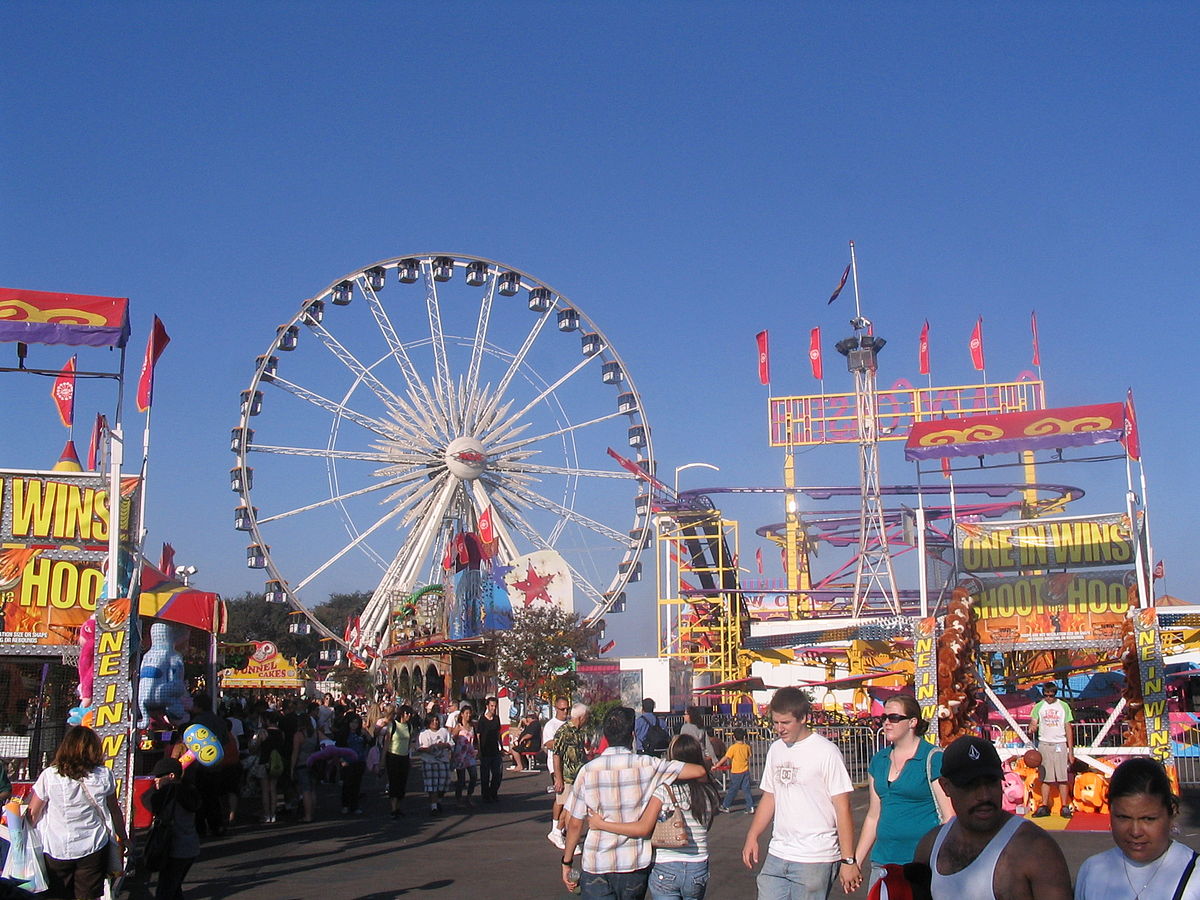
column 540, row 579
column 1148, row 639
column 53, row 544
column 1010, row 608
column 49, row 317
column 925, row 668
column 1058, row 543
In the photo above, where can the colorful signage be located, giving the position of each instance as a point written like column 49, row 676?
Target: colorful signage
column 1154, row 682
column 53, row 544
column 1011, row 608
column 1057, row 543
column 833, row 418
column 112, row 687
column 266, row 668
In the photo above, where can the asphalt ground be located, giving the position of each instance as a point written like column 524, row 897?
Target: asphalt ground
column 494, row 851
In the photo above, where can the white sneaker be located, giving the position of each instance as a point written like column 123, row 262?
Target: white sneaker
column 557, row 838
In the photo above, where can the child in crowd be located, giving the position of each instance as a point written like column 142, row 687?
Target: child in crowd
column 737, row 758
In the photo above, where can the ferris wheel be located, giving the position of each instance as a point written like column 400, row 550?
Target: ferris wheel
column 408, row 398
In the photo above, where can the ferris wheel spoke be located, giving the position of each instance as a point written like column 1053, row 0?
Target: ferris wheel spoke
column 363, row 374
column 358, row 539
column 507, row 448
column 312, row 397
column 323, row 452
column 570, row 471
column 383, row 322
column 569, row 514
column 438, row 423
column 441, row 382
column 502, row 431
column 518, row 360
column 381, row 486
column 481, row 330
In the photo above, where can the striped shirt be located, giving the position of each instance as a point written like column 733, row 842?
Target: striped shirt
column 618, row 784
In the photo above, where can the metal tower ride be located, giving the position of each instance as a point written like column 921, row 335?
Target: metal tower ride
column 874, row 567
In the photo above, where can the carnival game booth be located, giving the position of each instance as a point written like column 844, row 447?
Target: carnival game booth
column 1039, row 598
column 266, row 669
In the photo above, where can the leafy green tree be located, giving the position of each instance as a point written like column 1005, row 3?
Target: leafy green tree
column 251, row 618
column 537, row 655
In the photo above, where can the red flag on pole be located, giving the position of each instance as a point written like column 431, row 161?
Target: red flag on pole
column 977, row 346
column 155, row 344
column 945, row 467
column 487, row 534
column 1037, row 353
column 758, row 559
column 63, row 393
column 1160, row 570
column 764, row 358
column 94, row 445
column 1131, row 442
column 923, row 349
column 841, row 284
column 814, row 353
column 167, row 564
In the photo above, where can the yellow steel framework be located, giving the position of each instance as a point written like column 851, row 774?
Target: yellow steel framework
column 701, row 615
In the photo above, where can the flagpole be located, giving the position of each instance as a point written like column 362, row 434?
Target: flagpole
column 854, row 274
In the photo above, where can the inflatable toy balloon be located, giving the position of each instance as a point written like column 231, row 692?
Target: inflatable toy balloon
column 203, row 745
column 342, row 753
column 162, row 692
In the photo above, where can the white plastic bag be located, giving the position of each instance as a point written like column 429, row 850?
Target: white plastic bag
column 25, row 864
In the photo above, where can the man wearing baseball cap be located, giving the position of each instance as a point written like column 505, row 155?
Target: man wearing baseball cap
column 984, row 851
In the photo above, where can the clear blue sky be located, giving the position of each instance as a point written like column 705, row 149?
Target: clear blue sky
column 688, row 174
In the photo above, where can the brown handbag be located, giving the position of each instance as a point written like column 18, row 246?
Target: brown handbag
column 670, row 833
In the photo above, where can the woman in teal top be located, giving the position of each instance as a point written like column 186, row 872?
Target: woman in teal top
column 906, row 800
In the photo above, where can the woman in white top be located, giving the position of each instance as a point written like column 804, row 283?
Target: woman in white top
column 72, row 803
column 679, row 873
column 1146, row 864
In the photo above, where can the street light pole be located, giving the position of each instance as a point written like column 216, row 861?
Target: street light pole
column 692, row 465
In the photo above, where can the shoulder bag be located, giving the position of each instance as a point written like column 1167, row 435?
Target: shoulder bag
column 116, row 855
column 670, row 832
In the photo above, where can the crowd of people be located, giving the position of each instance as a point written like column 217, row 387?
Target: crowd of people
column 936, row 826
column 637, row 815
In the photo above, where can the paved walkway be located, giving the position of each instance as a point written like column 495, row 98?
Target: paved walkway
column 496, row 851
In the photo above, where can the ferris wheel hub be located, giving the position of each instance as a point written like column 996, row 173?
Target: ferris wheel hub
column 466, row 459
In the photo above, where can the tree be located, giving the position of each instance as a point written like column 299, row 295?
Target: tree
column 251, row 618
column 537, row 656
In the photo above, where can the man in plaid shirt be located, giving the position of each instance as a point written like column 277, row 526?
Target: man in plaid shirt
column 617, row 785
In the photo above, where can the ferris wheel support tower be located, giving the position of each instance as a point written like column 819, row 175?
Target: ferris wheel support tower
column 874, row 567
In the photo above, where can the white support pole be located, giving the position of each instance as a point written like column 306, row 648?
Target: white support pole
column 1003, row 710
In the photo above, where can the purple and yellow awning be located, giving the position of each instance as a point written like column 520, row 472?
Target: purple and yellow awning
column 1051, row 429
column 49, row 317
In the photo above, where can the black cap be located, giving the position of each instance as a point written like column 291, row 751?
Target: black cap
column 167, row 766
column 970, row 758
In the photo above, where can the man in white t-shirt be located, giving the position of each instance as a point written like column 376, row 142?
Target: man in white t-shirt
column 562, row 707
column 1052, row 719
column 806, row 792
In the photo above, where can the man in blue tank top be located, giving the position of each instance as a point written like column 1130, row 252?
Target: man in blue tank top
column 985, row 852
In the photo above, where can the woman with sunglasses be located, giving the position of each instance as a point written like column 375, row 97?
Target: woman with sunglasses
column 906, row 800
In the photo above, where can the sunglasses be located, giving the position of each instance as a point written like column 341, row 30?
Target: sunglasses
column 896, row 717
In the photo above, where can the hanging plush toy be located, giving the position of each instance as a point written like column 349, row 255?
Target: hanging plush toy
column 162, row 692
column 87, row 660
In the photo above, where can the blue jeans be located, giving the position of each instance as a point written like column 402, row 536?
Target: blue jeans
column 679, row 880
column 738, row 782
column 782, row 880
column 614, row 885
